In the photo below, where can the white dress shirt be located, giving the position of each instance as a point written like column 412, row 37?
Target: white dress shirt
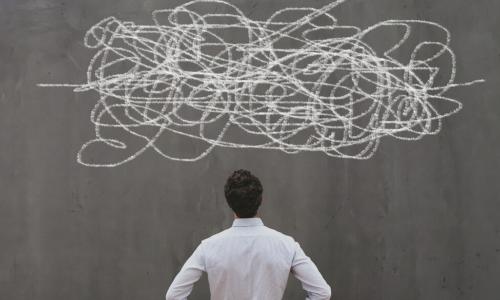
column 249, row 261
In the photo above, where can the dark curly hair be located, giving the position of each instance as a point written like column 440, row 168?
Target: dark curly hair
column 243, row 193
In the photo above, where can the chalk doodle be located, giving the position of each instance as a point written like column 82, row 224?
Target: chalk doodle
column 298, row 81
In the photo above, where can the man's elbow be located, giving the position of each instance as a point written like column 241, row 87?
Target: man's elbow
column 326, row 294
column 171, row 295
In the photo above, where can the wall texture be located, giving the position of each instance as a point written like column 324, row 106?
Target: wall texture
column 420, row 220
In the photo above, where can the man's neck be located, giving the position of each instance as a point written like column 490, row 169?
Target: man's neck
column 236, row 216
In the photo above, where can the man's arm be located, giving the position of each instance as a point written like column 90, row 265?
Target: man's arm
column 190, row 273
column 304, row 269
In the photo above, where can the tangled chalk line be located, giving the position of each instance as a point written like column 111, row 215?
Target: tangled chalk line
column 297, row 81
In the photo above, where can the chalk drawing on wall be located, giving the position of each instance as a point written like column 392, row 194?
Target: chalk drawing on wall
column 295, row 82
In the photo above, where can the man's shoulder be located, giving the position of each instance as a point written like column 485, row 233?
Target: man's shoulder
column 280, row 234
column 216, row 236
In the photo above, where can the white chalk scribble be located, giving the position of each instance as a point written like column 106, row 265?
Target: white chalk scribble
column 297, row 81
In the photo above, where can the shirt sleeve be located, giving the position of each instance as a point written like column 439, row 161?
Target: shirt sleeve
column 190, row 273
column 304, row 269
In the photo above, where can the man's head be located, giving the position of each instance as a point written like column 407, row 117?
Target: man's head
column 243, row 193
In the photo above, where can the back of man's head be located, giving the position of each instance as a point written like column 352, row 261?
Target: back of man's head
column 243, row 193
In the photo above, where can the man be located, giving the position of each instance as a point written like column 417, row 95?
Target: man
column 248, row 261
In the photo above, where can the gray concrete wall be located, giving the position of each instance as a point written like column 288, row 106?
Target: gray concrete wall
column 420, row 220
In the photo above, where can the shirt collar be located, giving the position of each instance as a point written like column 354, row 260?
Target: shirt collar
column 247, row 222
